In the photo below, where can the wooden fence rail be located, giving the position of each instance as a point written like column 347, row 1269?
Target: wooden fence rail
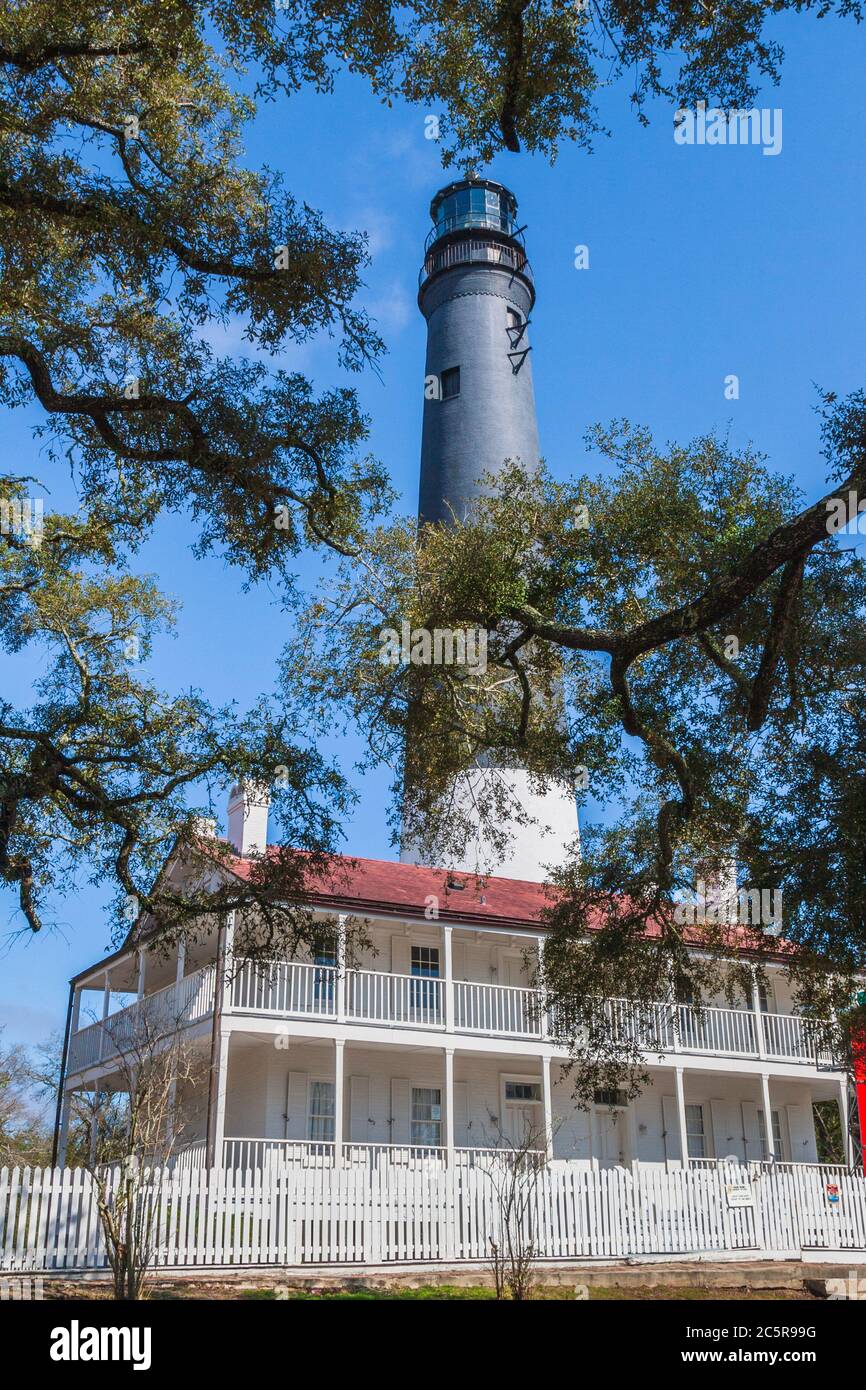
column 347, row 1215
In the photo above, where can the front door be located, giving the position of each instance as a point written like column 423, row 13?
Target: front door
column 524, row 1116
column 611, row 1136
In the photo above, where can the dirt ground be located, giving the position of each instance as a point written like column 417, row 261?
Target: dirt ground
column 274, row 1290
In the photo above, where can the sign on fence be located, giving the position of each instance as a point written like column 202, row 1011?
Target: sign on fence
column 740, row 1194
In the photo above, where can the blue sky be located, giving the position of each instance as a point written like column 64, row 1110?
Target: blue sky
column 703, row 262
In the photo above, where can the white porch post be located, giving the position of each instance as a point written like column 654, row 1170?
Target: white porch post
column 547, row 1099
column 681, row 1116
column 172, row 1093
column 340, row 962
column 845, row 1122
column 545, row 1018
column 768, row 1116
column 759, row 1021
column 228, row 964
column 76, row 1010
column 142, row 969
column 339, row 1087
column 63, row 1132
column 94, row 1125
column 449, row 1104
column 222, row 1076
column 106, row 1004
column 448, row 955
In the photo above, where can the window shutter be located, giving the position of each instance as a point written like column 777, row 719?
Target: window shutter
column 801, row 1132
column 296, row 1106
column 671, row 1123
column 359, row 1109
column 458, row 960
column 401, row 960
column 752, row 1130
column 400, row 1100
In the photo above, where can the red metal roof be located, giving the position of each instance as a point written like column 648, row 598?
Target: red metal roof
column 388, row 887
column 385, row 885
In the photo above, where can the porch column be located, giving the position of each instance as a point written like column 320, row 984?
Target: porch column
column 768, row 1116
column 63, row 1131
column 76, row 1009
column 844, row 1120
column 181, row 962
column 220, row 1089
column 94, row 1127
column 106, row 1004
column 547, row 1100
column 228, row 964
column 340, row 963
column 339, row 1087
column 449, row 1104
column 759, row 1021
column 448, row 956
column 681, row 1116
column 142, row 967
column 545, row 1017
column 172, row 1091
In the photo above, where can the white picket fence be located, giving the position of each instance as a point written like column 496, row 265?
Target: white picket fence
column 295, row 1217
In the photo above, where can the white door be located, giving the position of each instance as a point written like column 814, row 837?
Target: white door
column 611, row 1136
column 523, row 1123
column 514, row 973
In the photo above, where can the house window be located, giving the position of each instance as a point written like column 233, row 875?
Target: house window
column 450, row 383
column 425, row 961
column 610, row 1098
column 426, row 1116
column 523, row 1091
column 321, row 1114
column 765, row 999
column 695, row 1135
column 425, row 966
column 777, row 1135
column 324, row 956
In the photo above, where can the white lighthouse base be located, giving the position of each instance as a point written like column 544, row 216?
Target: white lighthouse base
column 551, row 841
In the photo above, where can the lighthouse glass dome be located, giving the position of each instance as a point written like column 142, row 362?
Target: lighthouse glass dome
column 473, row 205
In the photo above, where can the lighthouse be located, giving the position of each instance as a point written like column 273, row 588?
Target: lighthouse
column 477, row 294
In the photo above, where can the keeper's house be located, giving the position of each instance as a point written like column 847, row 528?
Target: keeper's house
column 434, row 1044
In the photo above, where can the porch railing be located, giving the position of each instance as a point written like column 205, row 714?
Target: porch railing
column 286, row 987
column 146, row 1021
column 505, row 1009
column 301, row 1153
column 298, row 989
column 373, row 997
column 267, row 1153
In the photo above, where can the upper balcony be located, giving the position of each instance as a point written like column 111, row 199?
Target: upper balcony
column 145, row 1022
column 383, row 999
column 299, row 990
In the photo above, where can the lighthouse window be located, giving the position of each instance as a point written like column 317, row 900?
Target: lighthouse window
column 514, row 319
column 450, row 383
